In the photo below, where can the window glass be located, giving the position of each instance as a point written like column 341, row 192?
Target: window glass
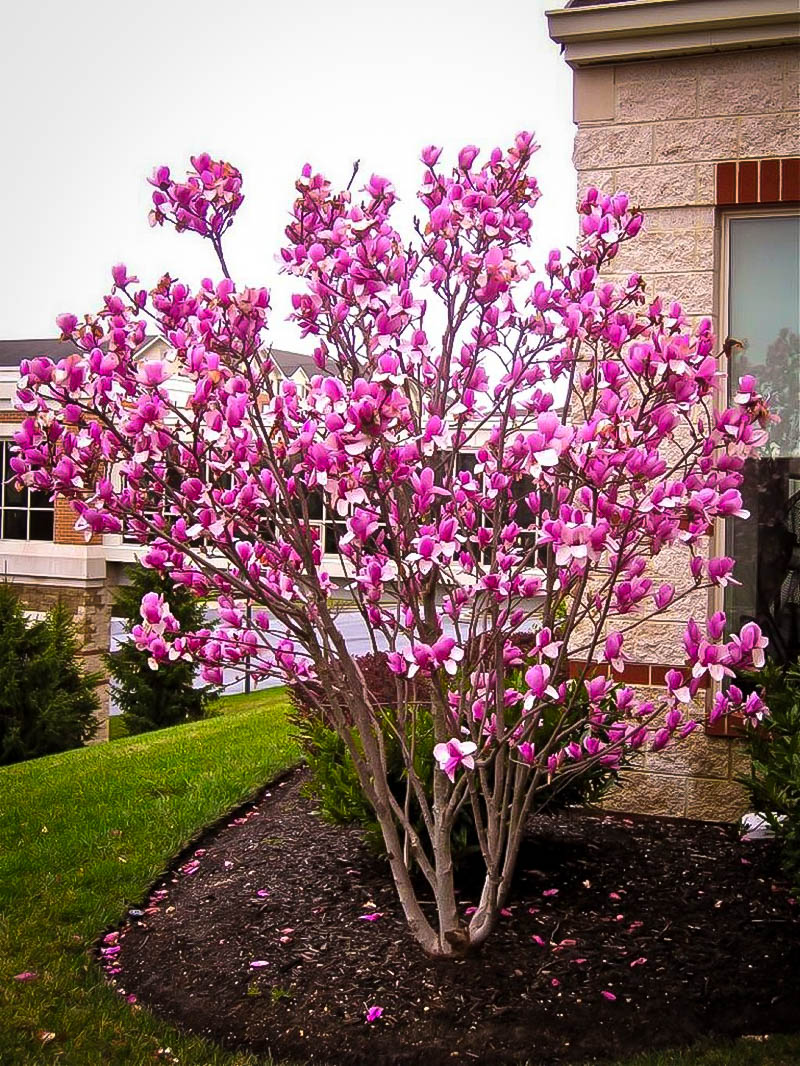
column 24, row 514
column 15, row 524
column 41, row 525
column 764, row 316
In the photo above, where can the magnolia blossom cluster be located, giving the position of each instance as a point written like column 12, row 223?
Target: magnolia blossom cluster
column 498, row 489
column 205, row 203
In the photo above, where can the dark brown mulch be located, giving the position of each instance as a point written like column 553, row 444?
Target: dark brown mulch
column 692, row 932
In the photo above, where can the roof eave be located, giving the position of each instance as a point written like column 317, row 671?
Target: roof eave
column 647, row 29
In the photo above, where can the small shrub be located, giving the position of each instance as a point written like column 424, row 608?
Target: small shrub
column 48, row 702
column 774, row 778
column 153, row 699
column 334, row 783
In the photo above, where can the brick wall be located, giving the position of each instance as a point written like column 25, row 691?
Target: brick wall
column 64, row 531
column 658, row 130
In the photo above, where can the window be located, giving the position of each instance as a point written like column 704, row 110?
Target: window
column 25, row 514
column 763, row 313
column 331, row 527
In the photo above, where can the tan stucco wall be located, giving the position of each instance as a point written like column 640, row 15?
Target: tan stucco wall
column 655, row 130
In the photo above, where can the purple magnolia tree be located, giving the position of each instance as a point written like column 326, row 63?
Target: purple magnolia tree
column 505, row 450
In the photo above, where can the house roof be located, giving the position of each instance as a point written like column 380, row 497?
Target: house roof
column 13, row 352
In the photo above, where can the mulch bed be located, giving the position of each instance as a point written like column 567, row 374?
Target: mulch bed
column 692, row 932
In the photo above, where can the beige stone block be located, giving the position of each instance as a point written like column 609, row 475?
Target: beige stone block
column 645, row 100
column 672, row 562
column 705, row 246
column 658, row 72
column 603, row 147
column 738, row 89
column 791, row 90
column 656, row 641
column 667, row 219
column 770, row 135
column 714, row 801
column 697, row 139
column 659, row 186
column 657, row 251
column 696, row 755
column 739, row 759
column 604, row 180
column 643, row 793
column 706, row 184
column 593, row 94
column 693, row 289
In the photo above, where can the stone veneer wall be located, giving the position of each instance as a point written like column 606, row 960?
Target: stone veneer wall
column 91, row 611
column 656, row 130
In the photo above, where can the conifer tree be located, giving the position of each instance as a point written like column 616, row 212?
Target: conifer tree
column 152, row 699
column 48, row 701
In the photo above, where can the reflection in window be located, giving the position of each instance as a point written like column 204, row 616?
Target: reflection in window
column 764, row 316
column 25, row 514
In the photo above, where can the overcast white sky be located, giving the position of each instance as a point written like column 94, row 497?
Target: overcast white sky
column 95, row 93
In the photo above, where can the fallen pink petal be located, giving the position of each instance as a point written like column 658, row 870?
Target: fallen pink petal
column 26, row 975
column 373, row 1013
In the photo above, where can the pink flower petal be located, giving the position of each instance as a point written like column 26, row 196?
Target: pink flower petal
column 608, row 995
column 26, row 975
column 550, row 892
column 258, row 964
column 373, row 1013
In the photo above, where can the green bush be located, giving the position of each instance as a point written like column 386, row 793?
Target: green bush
column 152, row 699
column 774, row 778
column 47, row 700
column 334, row 783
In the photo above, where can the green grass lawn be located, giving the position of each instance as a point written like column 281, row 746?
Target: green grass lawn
column 83, row 834
column 240, row 701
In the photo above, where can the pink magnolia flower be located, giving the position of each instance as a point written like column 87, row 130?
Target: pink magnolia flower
column 453, row 754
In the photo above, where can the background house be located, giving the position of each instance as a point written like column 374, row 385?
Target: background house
column 41, row 554
column 691, row 107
